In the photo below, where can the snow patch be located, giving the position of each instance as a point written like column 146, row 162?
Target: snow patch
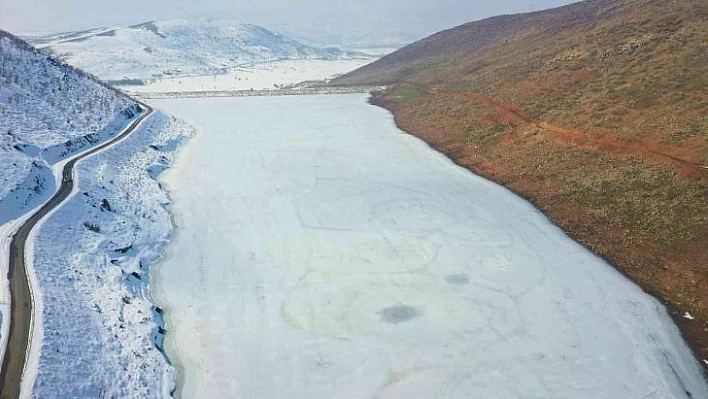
column 36, row 188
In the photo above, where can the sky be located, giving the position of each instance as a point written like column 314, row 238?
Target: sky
column 414, row 18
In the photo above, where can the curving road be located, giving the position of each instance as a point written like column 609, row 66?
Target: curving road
column 20, row 295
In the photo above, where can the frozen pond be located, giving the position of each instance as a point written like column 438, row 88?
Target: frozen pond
column 321, row 253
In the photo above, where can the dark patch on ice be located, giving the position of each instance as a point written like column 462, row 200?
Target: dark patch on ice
column 159, row 334
column 398, row 313
column 458, row 279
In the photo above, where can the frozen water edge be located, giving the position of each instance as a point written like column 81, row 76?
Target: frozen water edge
column 91, row 259
column 324, row 254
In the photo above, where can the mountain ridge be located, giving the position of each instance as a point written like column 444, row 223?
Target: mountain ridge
column 173, row 48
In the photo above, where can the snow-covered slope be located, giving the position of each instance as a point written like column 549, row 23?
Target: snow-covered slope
column 176, row 48
column 48, row 111
column 101, row 335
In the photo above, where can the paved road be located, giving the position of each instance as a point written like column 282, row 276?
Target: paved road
column 21, row 298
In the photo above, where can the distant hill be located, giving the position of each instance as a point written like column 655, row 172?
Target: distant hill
column 47, row 111
column 175, row 48
column 596, row 111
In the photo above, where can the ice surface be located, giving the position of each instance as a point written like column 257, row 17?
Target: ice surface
column 323, row 253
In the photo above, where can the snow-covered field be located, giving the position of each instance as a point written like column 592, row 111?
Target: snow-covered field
column 321, row 252
column 261, row 76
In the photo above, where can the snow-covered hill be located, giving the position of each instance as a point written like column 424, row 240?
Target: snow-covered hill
column 176, row 48
column 47, row 112
column 100, row 334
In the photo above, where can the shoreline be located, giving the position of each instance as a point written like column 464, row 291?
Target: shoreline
column 379, row 100
column 172, row 359
column 164, row 256
column 162, row 248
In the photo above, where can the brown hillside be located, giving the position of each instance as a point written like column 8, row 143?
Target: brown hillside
column 597, row 112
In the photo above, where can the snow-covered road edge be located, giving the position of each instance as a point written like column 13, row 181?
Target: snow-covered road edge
column 83, row 264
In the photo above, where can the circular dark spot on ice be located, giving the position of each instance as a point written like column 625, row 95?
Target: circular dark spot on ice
column 399, row 313
column 459, row 279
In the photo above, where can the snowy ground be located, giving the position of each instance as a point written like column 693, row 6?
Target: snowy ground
column 96, row 332
column 323, row 253
column 267, row 75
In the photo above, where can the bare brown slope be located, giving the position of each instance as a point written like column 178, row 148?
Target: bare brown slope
column 597, row 112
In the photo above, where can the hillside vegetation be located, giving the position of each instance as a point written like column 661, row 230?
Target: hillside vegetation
column 597, row 112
